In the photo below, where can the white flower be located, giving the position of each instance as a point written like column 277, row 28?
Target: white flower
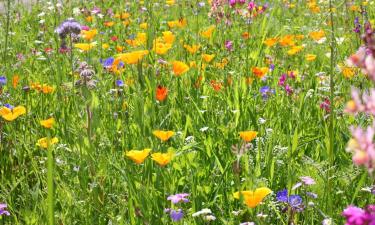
column 202, row 212
column 209, row 217
column 261, row 121
column 203, row 129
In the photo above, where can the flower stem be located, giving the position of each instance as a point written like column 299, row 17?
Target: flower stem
column 50, row 197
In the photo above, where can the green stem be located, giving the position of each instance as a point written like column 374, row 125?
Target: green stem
column 6, row 32
column 50, row 197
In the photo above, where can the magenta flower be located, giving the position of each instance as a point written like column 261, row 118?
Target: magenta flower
column 229, row 45
column 178, row 198
column 307, row 180
column 358, row 216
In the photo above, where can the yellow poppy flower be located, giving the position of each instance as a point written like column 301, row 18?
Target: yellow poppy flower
column 89, row 34
column 168, row 37
column 138, row 156
column 131, row 57
column 248, row 135
column 317, row 35
column 143, row 26
column 48, row 123
column 208, row 58
column 85, row 46
column 161, row 48
column 12, row 114
column 162, row 158
column 294, row 50
column 105, row 46
column 270, row 42
column 310, row 57
column 179, row 68
column 192, row 49
column 253, row 198
column 170, row 2
column 163, row 135
column 208, row 32
column 46, row 142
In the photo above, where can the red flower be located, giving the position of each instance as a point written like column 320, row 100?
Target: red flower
column 161, row 93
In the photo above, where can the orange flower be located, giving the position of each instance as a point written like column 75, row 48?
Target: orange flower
column 162, row 158
column 317, row 35
column 270, row 42
column 46, row 142
column 46, row 89
column 161, row 93
column 216, row 85
column 161, row 48
column 163, row 135
column 109, row 23
column 287, row 40
column 245, row 35
column 248, row 135
column 179, row 68
column 259, row 72
column 88, row 19
column 208, row 58
column 310, row 57
column 15, row 80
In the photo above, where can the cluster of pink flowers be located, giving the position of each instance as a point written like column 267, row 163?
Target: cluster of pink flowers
column 358, row 216
column 362, row 145
column 364, row 58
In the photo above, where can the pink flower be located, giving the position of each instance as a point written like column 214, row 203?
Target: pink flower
column 363, row 147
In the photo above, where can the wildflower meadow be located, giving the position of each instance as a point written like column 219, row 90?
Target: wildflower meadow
column 235, row 112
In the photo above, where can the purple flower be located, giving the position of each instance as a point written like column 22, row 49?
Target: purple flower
column 251, row 6
column 357, row 25
column 9, row 106
column 69, row 26
column 266, row 92
column 288, row 90
column 295, row 201
column 229, row 45
column 232, row 2
column 282, row 79
column 176, row 215
column 3, row 206
column 178, row 198
column 107, row 63
column 3, row 80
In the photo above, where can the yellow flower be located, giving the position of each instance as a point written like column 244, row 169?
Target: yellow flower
column 208, row 32
column 109, row 23
column 89, row 34
column 310, row 57
column 192, row 49
column 294, row 50
column 163, row 135
column 170, row 2
column 347, row 71
column 46, row 142
column 143, row 26
column 168, row 37
column 317, row 35
column 179, row 68
column 85, row 46
column 162, row 158
column 131, row 57
column 12, row 114
column 161, row 48
column 105, row 46
column 138, row 156
column 48, row 123
column 208, row 58
column 253, row 198
column 248, row 135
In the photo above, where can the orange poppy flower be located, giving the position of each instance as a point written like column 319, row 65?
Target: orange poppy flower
column 179, row 68
column 253, row 198
column 208, row 32
column 161, row 93
column 162, row 158
column 248, row 135
column 259, row 72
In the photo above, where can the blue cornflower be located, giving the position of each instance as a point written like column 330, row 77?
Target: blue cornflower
column 9, row 106
column 107, row 63
column 120, row 83
column 3, row 80
column 176, row 215
column 294, row 201
column 266, row 91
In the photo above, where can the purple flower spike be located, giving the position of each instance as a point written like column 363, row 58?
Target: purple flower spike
column 307, row 180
